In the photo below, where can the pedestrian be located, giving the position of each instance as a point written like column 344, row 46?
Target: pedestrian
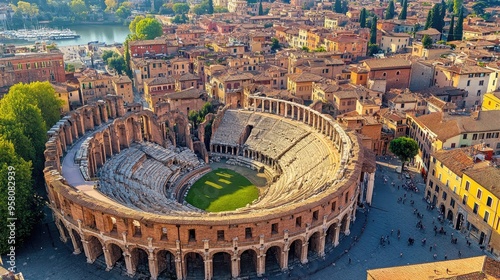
column 350, row 260
column 445, row 256
column 399, row 232
column 430, row 248
column 398, row 187
column 459, row 254
column 401, row 254
column 435, row 246
column 435, row 256
column 392, row 231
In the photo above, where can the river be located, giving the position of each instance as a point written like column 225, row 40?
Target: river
column 108, row 33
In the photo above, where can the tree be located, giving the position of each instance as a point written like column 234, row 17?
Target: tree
column 404, row 148
column 459, row 28
column 107, row 54
column 180, row 8
column 261, row 11
column 275, row 44
column 180, row 19
column 69, row 67
column 133, row 23
column 451, row 36
column 79, row 8
column 11, row 165
column 117, row 63
column 436, row 21
column 373, row 31
column 457, row 6
column 126, row 58
column 389, row 12
column 362, row 18
column 166, row 9
column 220, row 10
column 478, row 8
column 110, row 5
column 402, row 15
column 123, row 12
column 338, row 6
column 372, row 49
column 14, row 133
column 148, row 28
column 210, row 7
column 428, row 21
column 427, row 41
column 345, row 6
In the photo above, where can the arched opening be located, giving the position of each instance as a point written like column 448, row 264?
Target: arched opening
column 194, row 265
column 166, row 265
column 330, row 235
column 295, row 251
column 343, row 224
column 273, row 259
column 449, row 216
column 78, row 247
column 313, row 247
column 442, row 209
column 95, row 248
column 248, row 263
column 434, row 200
column 116, row 256
column 460, row 220
column 221, row 265
column 140, row 262
column 64, row 234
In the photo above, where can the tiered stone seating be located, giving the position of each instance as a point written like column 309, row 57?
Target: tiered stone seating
column 231, row 127
column 138, row 175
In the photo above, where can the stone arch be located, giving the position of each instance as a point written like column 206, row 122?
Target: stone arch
column 194, row 266
column 221, row 265
column 343, row 223
column 115, row 255
column 63, row 231
column 166, row 264
column 442, row 209
column 313, row 246
column 76, row 240
column 460, row 220
column 273, row 259
column 449, row 216
column 331, row 233
column 140, row 261
column 94, row 248
column 295, row 250
column 248, row 262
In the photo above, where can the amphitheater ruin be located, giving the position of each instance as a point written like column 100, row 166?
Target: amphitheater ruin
column 116, row 180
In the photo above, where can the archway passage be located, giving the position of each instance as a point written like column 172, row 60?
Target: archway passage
column 116, row 256
column 194, row 265
column 460, row 219
column 330, row 235
column 95, row 248
column 295, row 251
column 77, row 246
column 313, row 247
column 343, row 224
column 449, row 216
column 140, row 262
column 273, row 259
column 221, row 265
column 248, row 263
column 166, row 265
column 442, row 209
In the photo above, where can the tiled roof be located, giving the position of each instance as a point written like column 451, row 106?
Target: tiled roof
column 160, row 81
column 487, row 176
column 304, row 77
column 457, row 160
column 189, row 93
column 387, row 63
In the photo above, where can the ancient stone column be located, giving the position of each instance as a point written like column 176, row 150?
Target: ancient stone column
column 322, row 240
column 337, row 234
column 107, row 258
column 128, row 263
column 77, row 250
column 153, row 265
column 235, row 266
column 62, row 234
column 261, row 264
column 284, row 259
column 369, row 188
column 178, row 266
column 303, row 253
column 348, row 223
column 86, row 250
column 208, row 268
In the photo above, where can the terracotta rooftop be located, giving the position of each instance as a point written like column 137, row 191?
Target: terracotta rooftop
column 487, row 176
column 387, row 63
column 457, row 160
column 304, row 77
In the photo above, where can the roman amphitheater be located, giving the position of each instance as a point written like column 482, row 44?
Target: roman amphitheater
column 117, row 177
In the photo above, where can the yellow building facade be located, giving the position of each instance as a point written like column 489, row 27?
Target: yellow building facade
column 491, row 101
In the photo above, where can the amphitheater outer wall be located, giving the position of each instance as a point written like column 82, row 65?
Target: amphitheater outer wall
column 98, row 228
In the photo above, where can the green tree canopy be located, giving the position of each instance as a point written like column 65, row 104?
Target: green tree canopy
column 180, row 8
column 457, row 6
column 148, row 29
column 107, row 54
column 404, row 10
column 373, row 31
column 362, row 18
column 275, row 44
column 117, row 63
column 16, row 167
column 404, row 148
column 261, row 11
column 389, row 12
column 451, row 30
column 220, row 10
column 79, row 8
column 458, row 32
column 180, row 19
column 338, row 6
column 427, row 41
column 133, row 23
column 210, row 7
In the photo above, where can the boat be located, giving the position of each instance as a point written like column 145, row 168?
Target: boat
column 40, row 34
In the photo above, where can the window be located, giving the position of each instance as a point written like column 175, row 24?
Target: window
column 479, row 193
column 437, row 188
column 452, row 203
column 486, row 216
column 114, row 228
column 481, row 83
column 489, row 201
column 397, row 73
column 453, row 145
column 464, row 136
column 444, row 195
column 137, row 228
column 274, row 228
column 298, row 221
column 121, row 86
column 334, row 206
column 467, row 185
column 384, row 74
column 164, row 234
column 478, row 93
column 220, row 235
column 476, row 208
column 474, row 136
column 192, row 235
column 464, row 200
column 248, row 233
column 346, row 197
column 481, row 135
column 468, row 83
column 315, row 215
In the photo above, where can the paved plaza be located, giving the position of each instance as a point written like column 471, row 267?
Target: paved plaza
column 46, row 257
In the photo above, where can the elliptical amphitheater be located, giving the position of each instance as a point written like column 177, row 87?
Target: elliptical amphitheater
column 116, row 178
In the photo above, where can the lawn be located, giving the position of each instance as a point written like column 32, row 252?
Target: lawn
column 222, row 190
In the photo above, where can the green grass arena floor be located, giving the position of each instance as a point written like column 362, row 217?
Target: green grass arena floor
column 222, row 190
